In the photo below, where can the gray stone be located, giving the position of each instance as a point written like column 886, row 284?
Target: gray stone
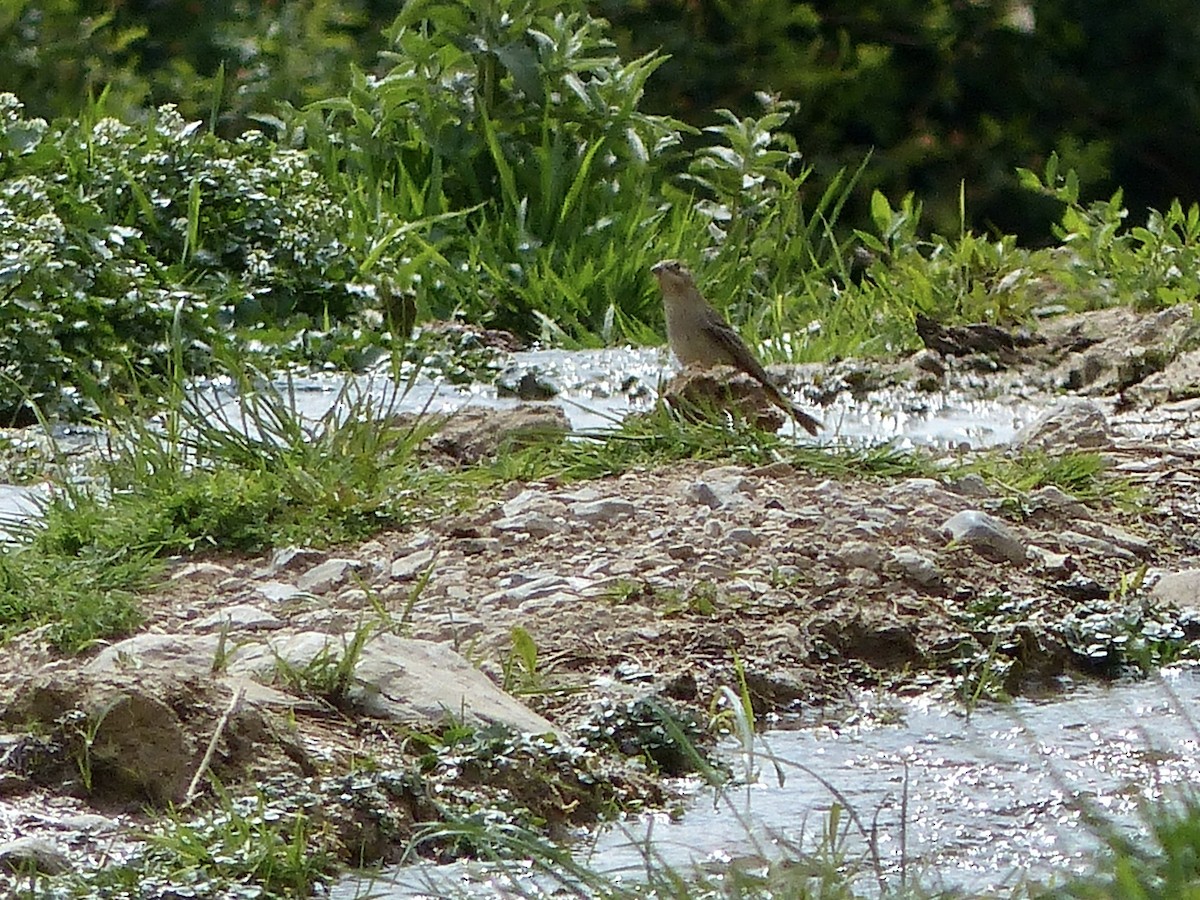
column 1058, row 565
column 610, row 509
column 970, row 486
column 916, row 567
column 863, row 578
column 702, row 494
column 327, row 575
column 241, row 616
column 289, row 559
column 414, row 564
column 183, row 654
column 402, row 680
column 1072, row 425
column 1086, row 543
column 529, row 500
column 532, row 523
column 200, row 570
column 1055, row 498
column 1180, row 589
column 1179, row 380
column 34, row 854
column 986, row 535
column 1137, row 546
column 744, row 536
column 279, row 591
column 861, row 555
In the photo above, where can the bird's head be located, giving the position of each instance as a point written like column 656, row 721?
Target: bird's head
column 672, row 275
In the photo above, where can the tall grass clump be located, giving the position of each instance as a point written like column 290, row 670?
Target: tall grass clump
column 520, row 114
column 232, row 468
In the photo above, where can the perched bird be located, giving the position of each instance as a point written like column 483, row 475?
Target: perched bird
column 700, row 336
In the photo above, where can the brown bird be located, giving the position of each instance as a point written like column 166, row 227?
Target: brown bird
column 700, row 336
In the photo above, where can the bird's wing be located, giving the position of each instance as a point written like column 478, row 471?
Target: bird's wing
column 736, row 352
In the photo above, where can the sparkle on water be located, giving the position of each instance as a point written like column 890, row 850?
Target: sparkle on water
column 976, row 803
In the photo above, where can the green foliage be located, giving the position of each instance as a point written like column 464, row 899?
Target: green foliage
column 520, row 116
column 672, row 742
column 247, row 847
column 194, row 481
column 944, row 92
column 329, row 675
column 242, row 56
column 1163, row 864
column 79, row 600
column 113, row 237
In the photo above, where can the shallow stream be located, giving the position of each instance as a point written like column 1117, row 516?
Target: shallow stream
column 596, row 389
column 977, row 803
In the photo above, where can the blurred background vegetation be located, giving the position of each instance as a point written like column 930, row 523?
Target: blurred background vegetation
column 305, row 181
column 942, row 92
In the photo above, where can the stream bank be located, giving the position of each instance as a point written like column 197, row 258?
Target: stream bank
column 367, row 688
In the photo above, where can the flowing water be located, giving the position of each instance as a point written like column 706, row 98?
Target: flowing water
column 596, row 389
column 977, row 803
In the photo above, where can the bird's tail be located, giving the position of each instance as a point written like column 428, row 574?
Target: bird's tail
column 807, row 422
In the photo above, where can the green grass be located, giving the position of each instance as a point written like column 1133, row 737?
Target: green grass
column 194, row 479
column 1082, row 475
column 245, row 847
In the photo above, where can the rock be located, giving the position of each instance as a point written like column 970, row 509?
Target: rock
column 604, row 511
column 916, row 567
column 1056, row 565
column 1137, row 546
column 707, row 394
column 183, row 654
column 289, row 559
column 202, row 570
column 415, row 682
column 1179, row 380
column 861, row 555
column 1054, row 498
column 530, row 500
column 702, row 494
column 279, row 591
column 473, row 434
column 1180, row 589
column 34, row 854
column 929, row 361
column 1081, row 589
column 877, row 639
column 241, row 616
column 863, row 578
column 970, row 486
column 322, row 578
column 977, row 337
column 744, row 536
column 1074, row 425
column 1086, row 543
column 986, row 535
column 525, row 384
column 535, row 524
column 412, row 565
column 131, row 743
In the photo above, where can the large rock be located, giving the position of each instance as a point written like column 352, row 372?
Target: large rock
column 1074, row 425
column 987, row 536
column 399, row 679
column 1180, row 589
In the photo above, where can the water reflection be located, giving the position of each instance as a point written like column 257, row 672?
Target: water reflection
column 973, row 803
